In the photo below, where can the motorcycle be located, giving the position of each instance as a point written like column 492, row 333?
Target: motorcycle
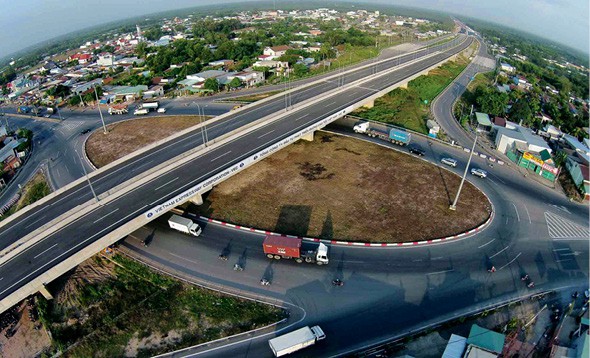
column 222, row 257
column 337, row 282
column 238, row 267
column 264, row 282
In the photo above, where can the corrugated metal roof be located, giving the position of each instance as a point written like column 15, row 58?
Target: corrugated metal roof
column 486, row 339
column 483, row 119
column 455, row 347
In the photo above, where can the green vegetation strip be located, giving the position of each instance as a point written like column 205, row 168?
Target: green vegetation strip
column 409, row 108
column 36, row 189
column 134, row 310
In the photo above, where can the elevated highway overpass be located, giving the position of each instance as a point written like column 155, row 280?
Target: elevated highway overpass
column 55, row 234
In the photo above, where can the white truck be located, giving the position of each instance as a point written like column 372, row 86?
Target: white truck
column 184, row 225
column 296, row 340
column 141, row 112
column 150, row 105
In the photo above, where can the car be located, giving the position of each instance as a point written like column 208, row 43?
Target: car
column 161, row 110
column 414, row 149
column 449, row 161
column 47, row 115
column 87, row 130
column 479, row 172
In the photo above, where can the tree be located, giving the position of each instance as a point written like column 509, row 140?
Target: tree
column 300, row 69
column 521, row 111
column 211, row 84
column 235, row 83
column 491, row 101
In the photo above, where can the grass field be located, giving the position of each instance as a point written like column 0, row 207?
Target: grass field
column 254, row 97
column 34, row 190
column 409, row 108
column 117, row 307
column 341, row 188
column 129, row 136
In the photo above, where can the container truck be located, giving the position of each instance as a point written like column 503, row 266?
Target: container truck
column 392, row 135
column 184, row 225
column 150, row 105
column 282, row 247
column 296, row 340
column 140, row 112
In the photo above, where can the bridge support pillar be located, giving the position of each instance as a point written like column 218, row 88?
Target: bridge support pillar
column 197, row 199
column 43, row 290
column 369, row 104
column 308, row 137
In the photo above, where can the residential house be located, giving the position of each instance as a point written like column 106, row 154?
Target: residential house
column 203, row 76
column 83, row 87
column 105, row 59
column 127, row 93
column 483, row 343
column 580, row 174
column 82, row 58
column 507, row 67
column 276, row 51
column 552, row 131
column 483, row 121
column 249, row 79
column 8, row 154
column 455, row 347
column 154, row 91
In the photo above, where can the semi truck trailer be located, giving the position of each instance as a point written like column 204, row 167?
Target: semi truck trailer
column 296, row 340
column 150, row 105
column 282, row 247
column 392, row 135
column 184, row 225
column 141, row 112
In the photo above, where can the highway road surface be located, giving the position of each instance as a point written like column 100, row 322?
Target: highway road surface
column 73, row 237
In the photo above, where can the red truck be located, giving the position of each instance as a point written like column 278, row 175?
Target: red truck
column 282, row 247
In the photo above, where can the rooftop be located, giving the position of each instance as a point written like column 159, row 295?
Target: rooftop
column 483, row 119
column 486, row 339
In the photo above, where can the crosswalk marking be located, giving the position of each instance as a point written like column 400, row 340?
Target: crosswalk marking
column 70, row 125
column 562, row 228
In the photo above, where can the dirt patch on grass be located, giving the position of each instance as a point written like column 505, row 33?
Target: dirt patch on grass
column 129, row 136
column 342, row 188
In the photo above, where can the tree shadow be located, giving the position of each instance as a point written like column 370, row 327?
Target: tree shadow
column 328, row 228
column 294, row 220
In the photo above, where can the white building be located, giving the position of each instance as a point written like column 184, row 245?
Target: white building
column 276, row 51
column 105, row 59
column 506, row 138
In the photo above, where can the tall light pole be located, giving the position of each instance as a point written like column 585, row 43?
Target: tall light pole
column 58, row 112
column 86, row 175
column 201, row 114
column 454, row 205
column 104, row 127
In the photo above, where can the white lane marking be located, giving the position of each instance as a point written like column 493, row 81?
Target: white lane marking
column 303, row 116
column 329, row 104
column 499, row 252
column 527, row 214
column 183, row 258
column 368, row 89
column 163, row 185
column 560, row 250
column 569, row 239
column 57, row 170
column 112, row 212
column 563, row 260
column 44, row 251
column 71, row 249
column 486, row 244
column 437, row 258
column 1, row 278
column 514, row 259
column 562, row 228
column 439, row 272
column 515, row 209
column 34, row 222
column 224, row 154
column 267, row 133
column 418, row 260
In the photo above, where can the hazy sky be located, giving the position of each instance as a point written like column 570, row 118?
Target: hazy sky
column 27, row 22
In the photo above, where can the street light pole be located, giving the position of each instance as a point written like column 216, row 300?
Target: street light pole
column 454, row 205
column 203, row 130
column 86, row 175
column 104, row 127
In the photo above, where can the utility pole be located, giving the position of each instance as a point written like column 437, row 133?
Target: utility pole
column 104, row 127
column 86, row 175
column 454, row 205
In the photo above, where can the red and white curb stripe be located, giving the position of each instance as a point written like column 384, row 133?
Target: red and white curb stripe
column 352, row 243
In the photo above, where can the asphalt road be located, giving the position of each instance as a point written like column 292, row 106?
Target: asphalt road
column 106, row 218
column 391, row 291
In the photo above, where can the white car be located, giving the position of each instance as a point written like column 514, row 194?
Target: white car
column 449, row 161
column 479, row 172
column 161, row 110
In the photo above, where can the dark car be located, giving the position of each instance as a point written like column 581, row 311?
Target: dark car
column 414, row 149
column 87, row 130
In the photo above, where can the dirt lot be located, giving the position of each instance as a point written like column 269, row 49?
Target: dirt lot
column 341, row 188
column 126, row 137
column 21, row 333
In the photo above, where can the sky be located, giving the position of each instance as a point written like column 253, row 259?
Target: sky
column 27, row 22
